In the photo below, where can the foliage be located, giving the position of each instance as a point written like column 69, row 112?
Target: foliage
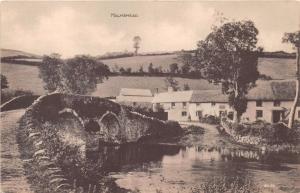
column 4, row 82
column 210, row 119
column 136, row 43
column 186, row 87
column 293, row 38
column 171, row 82
column 276, row 133
column 150, row 68
column 233, row 184
column 228, row 56
column 50, row 73
column 78, row 75
column 192, row 129
column 187, row 59
column 174, row 68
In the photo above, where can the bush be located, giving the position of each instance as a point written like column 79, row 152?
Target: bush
column 210, row 119
column 277, row 133
column 192, row 129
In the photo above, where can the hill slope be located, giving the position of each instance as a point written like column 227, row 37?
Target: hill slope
column 17, row 53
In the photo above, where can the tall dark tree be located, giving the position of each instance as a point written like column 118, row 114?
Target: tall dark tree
column 229, row 56
column 50, row 72
column 136, row 44
column 4, row 83
column 186, row 58
column 150, row 68
column 174, row 68
column 294, row 39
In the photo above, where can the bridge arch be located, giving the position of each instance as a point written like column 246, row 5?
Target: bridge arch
column 110, row 127
column 73, row 113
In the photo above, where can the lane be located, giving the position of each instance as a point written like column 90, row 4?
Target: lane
column 13, row 179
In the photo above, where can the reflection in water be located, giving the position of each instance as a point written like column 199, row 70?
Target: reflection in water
column 152, row 168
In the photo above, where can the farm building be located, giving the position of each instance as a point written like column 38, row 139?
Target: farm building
column 269, row 100
column 135, row 97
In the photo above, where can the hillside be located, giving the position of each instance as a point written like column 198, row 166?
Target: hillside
column 17, row 53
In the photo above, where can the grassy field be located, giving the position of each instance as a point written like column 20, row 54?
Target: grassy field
column 26, row 77
column 277, row 68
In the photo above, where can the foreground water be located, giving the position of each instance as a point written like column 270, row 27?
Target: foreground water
column 161, row 168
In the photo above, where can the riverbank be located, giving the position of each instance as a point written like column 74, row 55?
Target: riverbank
column 263, row 136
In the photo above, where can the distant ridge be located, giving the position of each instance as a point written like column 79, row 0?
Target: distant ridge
column 17, row 54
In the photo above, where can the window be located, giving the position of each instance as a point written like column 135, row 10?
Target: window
column 299, row 114
column 184, row 104
column 259, row 114
column 259, row 103
column 173, row 105
column 183, row 113
column 213, row 104
column 198, row 104
column 221, row 113
column 199, row 114
column 276, row 103
column 222, row 107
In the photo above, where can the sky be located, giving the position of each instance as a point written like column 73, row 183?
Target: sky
column 71, row 28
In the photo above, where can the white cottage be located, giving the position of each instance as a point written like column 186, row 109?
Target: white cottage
column 269, row 100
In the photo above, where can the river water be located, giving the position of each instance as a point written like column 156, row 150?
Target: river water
column 164, row 168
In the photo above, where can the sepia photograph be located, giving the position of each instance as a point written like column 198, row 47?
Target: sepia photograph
column 150, row 96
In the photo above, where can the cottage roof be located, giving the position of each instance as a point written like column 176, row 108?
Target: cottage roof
column 176, row 96
column 202, row 96
column 273, row 90
column 136, row 92
column 265, row 90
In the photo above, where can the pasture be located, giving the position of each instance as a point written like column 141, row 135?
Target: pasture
column 26, row 77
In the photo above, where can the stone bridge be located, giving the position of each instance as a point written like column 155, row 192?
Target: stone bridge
column 97, row 120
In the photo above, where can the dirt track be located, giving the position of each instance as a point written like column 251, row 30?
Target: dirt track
column 13, row 179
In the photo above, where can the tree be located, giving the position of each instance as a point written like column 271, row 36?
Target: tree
column 186, row 87
column 122, row 70
column 136, row 44
column 229, row 56
column 186, row 59
column 294, row 38
column 78, row 75
column 81, row 74
column 173, row 68
column 4, row 83
column 171, row 82
column 128, row 70
column 141, row 70
column 49, row 72
column 150, row 68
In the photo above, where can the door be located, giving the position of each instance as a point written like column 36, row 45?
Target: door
column 277, row 116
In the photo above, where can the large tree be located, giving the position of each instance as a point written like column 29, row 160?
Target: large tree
column 136, row 44
column 294, row 38
column 187, row 59
column 229, row 56
column 78, row 75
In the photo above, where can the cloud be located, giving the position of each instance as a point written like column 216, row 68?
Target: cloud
column 64, row 31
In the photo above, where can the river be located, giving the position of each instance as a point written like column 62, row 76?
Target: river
column 164, row 168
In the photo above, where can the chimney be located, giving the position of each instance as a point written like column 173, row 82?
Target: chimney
column 170, row 89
